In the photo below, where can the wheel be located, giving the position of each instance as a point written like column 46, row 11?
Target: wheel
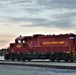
column 52, row 57
column 71, row 60
column 52, row 60
column 13, row 59
column 58, row 60
column 18, row 59
column 66, row 60
column 23, row 59
column 6, row 57
column 29, row 59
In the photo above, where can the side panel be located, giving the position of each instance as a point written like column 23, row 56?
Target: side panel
column 15, row 48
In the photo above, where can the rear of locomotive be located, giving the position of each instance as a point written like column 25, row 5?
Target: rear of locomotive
column 72, row 47
column 71, row 42
column 63, row 47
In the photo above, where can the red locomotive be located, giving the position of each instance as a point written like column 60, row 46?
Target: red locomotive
column 52, row 47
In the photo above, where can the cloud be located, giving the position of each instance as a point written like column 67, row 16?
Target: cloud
column 57, row 4
column 35, row 6
column 6, row 24
column 61, row 20
column 24, row 20
column 65, row 20
column 5, row 39
column 2, row 41
column 14, row 5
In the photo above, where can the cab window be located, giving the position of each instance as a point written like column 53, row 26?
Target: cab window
column 19, row 41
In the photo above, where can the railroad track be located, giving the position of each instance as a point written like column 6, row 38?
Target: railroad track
column 47, row 64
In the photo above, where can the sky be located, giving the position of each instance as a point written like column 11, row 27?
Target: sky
column 28, row 17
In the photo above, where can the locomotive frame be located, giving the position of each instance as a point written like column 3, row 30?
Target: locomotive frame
column 52, row 47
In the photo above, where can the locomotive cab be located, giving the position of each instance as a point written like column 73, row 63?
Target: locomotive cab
column 18, row 49
column 19, row 40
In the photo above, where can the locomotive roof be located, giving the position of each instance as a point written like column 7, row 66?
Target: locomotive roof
column 23, row 37
column 40, row 35
column 20, row 38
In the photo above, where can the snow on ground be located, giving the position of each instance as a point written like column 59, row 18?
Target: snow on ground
column 23, row 70
column 1, row 57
